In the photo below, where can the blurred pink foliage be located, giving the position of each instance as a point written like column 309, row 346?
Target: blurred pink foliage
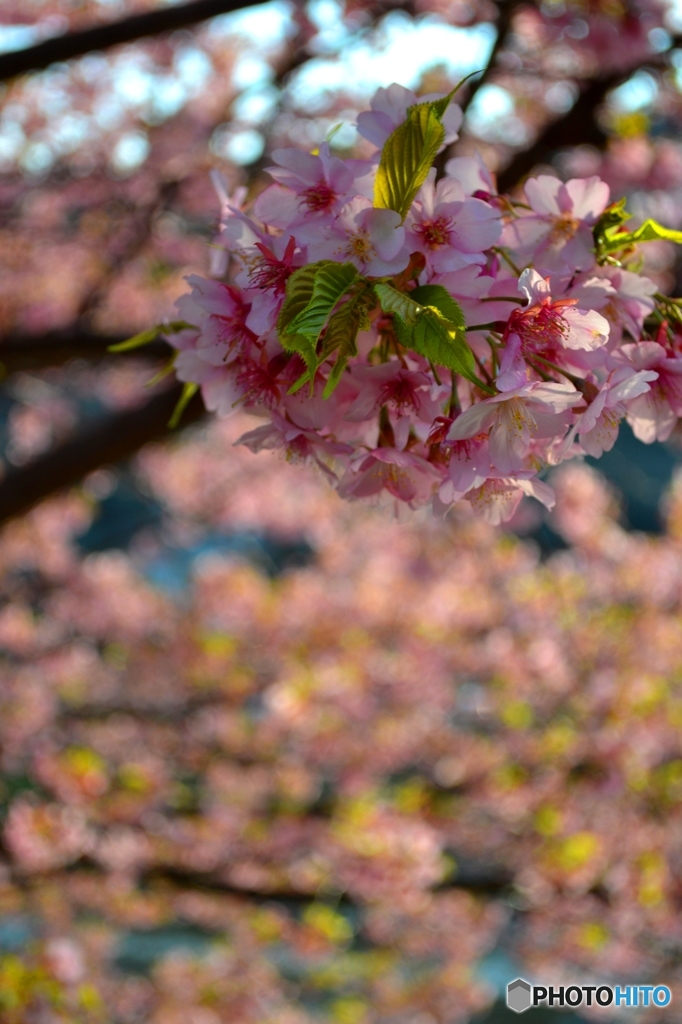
column 356, row 779
column 424, row 702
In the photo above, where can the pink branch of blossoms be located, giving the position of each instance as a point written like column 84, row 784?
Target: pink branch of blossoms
column 428, row 342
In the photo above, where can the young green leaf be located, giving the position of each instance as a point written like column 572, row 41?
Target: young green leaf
column 612, row 218
column 436, row 295
column 613, row 240
column 331, row 283
column 409, row 152
column 438, row 340
column 434, row 327
column 342, row 331
column 150, row 335
column 441, row 105
column 650, row 231
column 406, row 159
column 393, row 301
column 299, row 292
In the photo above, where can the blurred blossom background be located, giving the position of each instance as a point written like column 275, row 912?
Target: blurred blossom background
column 267, row 757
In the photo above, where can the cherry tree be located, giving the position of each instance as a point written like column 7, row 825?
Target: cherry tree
column 344, row 791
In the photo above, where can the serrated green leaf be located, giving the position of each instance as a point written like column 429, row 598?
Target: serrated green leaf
column 612, row 218
column 311, row 294
column 409, row 152
column 188, row 392
column 438, row 296
column 341, row 334
column 441, row 105
column 307, row 375
column 306, row 350
column 299, row 292
column 427, row 328
column 403, row 332
column 393, row 301
column 437, row 339
column 331, row 283
column 406, row 159
column 150, row 335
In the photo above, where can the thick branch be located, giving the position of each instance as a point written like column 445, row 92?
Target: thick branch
column 485, row 879
column 32, row 352
column 577, row 127
column 109, row 440
column 139, row 232
column 101, row 37
column 504, row 22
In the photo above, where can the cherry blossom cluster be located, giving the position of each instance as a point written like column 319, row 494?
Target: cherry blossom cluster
column 462, row 342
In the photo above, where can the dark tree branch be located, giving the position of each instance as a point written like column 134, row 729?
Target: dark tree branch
column 577, row 127
column 33, row 352
column 101, row 37
column 109, row 440
column 485, row 879
column 138, row 236
column 504, row 23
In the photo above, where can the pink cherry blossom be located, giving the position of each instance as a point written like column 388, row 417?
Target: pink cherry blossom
column 374, row 240
column 497, row 499
column 547, row 376
column 598, row 425
column 404, row 475
column 557, row 230
column 451, row 230
column 654, row 413
column 514, row 418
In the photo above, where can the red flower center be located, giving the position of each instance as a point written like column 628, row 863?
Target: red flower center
column 401, row 393
column 541, row 328
column 318, row 197
column 435, row 233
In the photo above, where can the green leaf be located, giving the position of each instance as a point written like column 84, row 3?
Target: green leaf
column 441, row 105
column 331, row 283
column 406, row 159
column 612, row 218
column 299, row 292
column 147, row 337
column 393, row 301
column 610, row 238
column 650, row 231
column 436, row 295
column 188, row 392
column 311, row 294
column 409, row 152
column 434, row 327
column 437, row 339
column 342, row 331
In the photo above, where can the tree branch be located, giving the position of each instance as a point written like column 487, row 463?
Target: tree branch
column 139, row 233
column 578, row 126
column 504, row 22
column 486, row 879
column 506, row 13
column 33, row 352
column 109, row 440
column 101, row 37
